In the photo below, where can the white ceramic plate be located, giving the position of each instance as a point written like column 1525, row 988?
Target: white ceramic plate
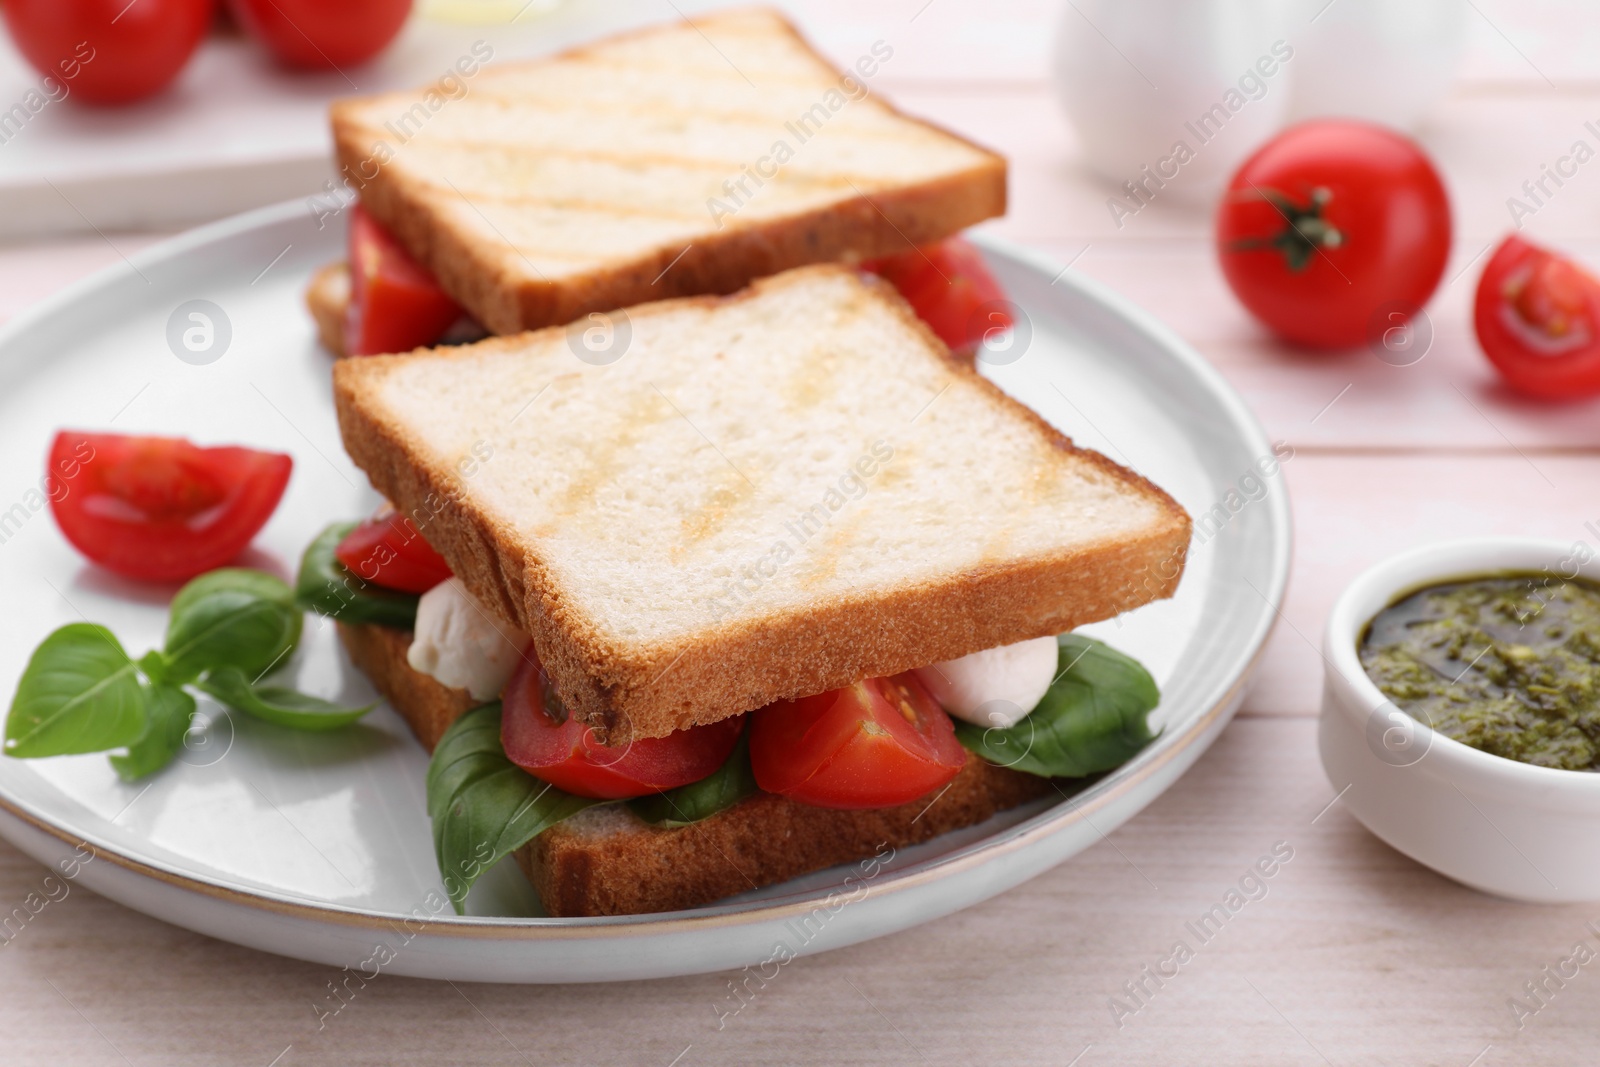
column 317, row 846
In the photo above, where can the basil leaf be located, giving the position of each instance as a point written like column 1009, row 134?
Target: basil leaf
column 169, row 709
column 328, row 587
column 275, row 703
column 1093, row 717
column 154, row 665
column 79, row 693
column 724, row 788
column 483, row 806
column 231, row 618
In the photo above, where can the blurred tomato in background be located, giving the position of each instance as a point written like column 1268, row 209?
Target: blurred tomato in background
column 108, row 51
column 322, row 34
column 1537, row 316
column 121, row 51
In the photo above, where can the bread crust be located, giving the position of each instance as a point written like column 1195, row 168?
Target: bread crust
column 761, row 841
column 328, row 299
column 744, row 664
column 497, row 288
column 427, row 706
column 632, row 868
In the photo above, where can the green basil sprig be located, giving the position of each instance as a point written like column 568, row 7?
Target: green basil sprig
column 169, row 711
column 483, row 806
column 1093, row 718
column 724, row 788
column 328, row 587
column 81, row 692
column 230, row 618
column 276, row 703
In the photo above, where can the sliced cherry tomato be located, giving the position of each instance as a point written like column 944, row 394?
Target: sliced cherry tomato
column 160, row 508
column 1331, row 224
column 395, row 305
column 541, row 738
column 950, row 288
column 107, row 51
column 387, row 550
column 1538, row 320
column 878, row 743
column 320, row 35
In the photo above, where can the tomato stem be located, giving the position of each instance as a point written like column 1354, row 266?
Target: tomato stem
column 1307, row 232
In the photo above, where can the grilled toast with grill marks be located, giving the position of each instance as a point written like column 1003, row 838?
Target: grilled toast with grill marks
column 751, row 498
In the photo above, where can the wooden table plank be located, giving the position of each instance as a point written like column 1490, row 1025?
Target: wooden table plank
column 1353, row 953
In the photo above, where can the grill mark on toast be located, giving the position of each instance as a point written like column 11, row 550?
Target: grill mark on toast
column 643, row 161
column 603, row 453
column 564, row 205
column 824, row 565
column 713, row 513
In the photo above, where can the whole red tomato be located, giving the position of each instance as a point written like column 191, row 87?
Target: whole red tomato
column 1330, row 224
column 322, row 34
column 107, row 51
column 1537, row 316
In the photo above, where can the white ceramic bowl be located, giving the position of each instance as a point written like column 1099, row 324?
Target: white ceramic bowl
column 1495, row 824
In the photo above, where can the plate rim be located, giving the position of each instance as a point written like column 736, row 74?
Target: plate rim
column 1055, row 819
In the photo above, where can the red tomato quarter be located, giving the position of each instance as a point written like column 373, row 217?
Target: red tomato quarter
column 1538, row 319
column 1330, row 224
column 387, row 550
column 160, row 508
column 107, row 51
column 322, row 34
column 878, row 743
column 395, row 305
column 950, row 288
column 541, row 738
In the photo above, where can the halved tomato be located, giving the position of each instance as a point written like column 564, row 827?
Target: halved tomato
column 1538, row 319
column 541, row 738
column 395, row 304
column 950, row 288
column 161, row 508
column 875, row 744
column 387, row 550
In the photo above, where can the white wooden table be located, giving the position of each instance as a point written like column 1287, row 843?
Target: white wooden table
column 1355, row 955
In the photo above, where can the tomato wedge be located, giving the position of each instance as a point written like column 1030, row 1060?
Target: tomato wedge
column 395, row 304
column 1537, row 316
column 541, row 738
column 387, row 550
column 878, row 743
column 950, row 288
column 161, row 508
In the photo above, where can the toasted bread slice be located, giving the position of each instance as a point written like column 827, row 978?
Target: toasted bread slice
column 607, row 861
column 683, row 159
column 428, row 706
column 328, row 298
column 766, row 496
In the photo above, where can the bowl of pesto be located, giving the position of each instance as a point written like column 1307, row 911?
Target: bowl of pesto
column 1461, row 712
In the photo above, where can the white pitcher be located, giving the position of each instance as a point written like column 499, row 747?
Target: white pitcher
column 1171, row 95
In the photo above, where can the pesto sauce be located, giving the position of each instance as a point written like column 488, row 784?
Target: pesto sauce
column 1509, row 664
